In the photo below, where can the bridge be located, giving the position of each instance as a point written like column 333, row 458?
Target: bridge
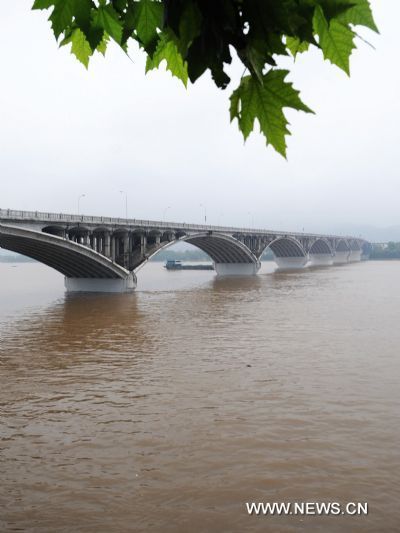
column 103, row 254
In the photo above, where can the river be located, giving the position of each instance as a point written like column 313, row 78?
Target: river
column 168, row 409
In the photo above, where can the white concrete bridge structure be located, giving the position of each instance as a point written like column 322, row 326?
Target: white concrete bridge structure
column 103, row 254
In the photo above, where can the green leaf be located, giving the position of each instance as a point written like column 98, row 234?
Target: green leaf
column 61, row 16
column 359, row 15
column 66, row 39
column 198, row 36
column 80, row 47
column 107, row 18
column 257, row 54
column 335, row 40
column 189, row 25
column 82, row 13
column 167, row 50
column 119, row 5
column 102, row 46
column 148, row 16
column 296, row 46
column 234, row 109
column 265, row 102
column 43, row 4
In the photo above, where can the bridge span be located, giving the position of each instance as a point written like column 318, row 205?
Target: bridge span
column 103, row 254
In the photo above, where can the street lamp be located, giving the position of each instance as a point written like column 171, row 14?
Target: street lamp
column 126, row 203
column 165, row 211
column 251, row 219
column 79, row 201
column 205, row 213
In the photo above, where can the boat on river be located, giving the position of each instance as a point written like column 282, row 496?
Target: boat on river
column 174, row 264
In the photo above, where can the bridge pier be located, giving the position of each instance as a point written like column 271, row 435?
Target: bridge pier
column 321, row 259
column 107, row 244
column 101, row 285
column 290, row 263
column 237, row 269
column 354, row 256
column 341, row 257
column 113, row 247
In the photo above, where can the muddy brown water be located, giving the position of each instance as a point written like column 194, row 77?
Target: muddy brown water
column 168, row 409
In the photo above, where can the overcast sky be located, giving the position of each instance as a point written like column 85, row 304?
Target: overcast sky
column 65, row 131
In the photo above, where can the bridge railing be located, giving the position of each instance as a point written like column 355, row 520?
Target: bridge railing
column 38, row 216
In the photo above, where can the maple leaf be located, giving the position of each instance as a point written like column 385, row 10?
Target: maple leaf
column 359, row 14
column 107, row 18
column 167, row 50
column 61, row 16
column 102, row 46
column 147, row 19
column 80, row 47
column 296, row 46
column 265, row 102
column 335, row 40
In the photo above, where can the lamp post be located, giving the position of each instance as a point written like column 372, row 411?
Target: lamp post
column 251, row 219
column 205, row 213
column 165, row 212
column 126, row 203
column 79, row 201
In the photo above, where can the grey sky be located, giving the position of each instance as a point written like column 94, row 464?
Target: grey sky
column 65, row 131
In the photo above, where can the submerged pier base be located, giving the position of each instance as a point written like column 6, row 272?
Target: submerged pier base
column 354, row 256
column 341, row 258
column 101, row 285
column 237, row 269
column 321, row 259
column 290, row 263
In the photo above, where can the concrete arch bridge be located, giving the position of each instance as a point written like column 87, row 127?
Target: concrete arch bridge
column 103, row 254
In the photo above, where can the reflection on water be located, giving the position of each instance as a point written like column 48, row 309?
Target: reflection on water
column 167, row 409
column 76, row 325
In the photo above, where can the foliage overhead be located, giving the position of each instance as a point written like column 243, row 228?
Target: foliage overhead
column 193, row 36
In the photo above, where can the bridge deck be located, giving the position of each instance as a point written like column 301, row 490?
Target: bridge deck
column 10, row 215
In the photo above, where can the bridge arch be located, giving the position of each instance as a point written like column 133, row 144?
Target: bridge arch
column 354, row 245
column 287, row 247
column 321, row 246
column 321, row 253
column 55, row 230
column 355, row 250
column 288, row 253
column 342, row 246
column 342, row 252
column 229, row 255
column 222, row 248
column 82, row 267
